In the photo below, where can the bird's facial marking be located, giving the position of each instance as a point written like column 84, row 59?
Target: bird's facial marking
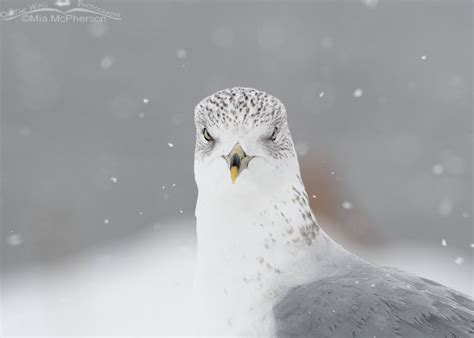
column 261, row 116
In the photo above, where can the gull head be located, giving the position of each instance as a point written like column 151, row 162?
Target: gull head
column 243, row 144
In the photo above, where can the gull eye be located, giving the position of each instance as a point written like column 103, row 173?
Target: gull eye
column 274, row 134
column 207, row 136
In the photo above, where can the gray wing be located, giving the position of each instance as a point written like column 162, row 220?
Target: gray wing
column 374, row 302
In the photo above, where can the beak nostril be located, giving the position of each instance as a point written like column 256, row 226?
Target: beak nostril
column 235, row 161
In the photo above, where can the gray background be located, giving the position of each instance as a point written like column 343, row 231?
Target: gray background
column 73, row 116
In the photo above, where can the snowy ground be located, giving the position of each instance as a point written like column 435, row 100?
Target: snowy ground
column 143, row 286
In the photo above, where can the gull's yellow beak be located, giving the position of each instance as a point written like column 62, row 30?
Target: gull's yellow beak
column 234, row 171
column 237, row 161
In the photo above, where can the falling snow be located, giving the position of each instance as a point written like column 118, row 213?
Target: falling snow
column 14, row 239
column 445, row 207
column 106, row 62
column 370, row 3
column 347, row 205
column 358, row 92
column 181, row 53
column 441, row 177
column 437, row 169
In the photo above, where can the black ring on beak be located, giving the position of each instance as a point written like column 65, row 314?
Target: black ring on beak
column 235, row 161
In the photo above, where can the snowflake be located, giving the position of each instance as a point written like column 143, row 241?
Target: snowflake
column 14, row 239
column 358, row 92
column 437, row 169
column 445, row 207
column 347, row 205
column 181, row 53
column 371, row 3
column 106, row 62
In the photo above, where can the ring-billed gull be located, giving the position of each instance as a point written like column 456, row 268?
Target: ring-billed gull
column 264, row 265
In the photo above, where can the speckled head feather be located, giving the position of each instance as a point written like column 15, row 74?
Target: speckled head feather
column 244, row 107
column 236, row 106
